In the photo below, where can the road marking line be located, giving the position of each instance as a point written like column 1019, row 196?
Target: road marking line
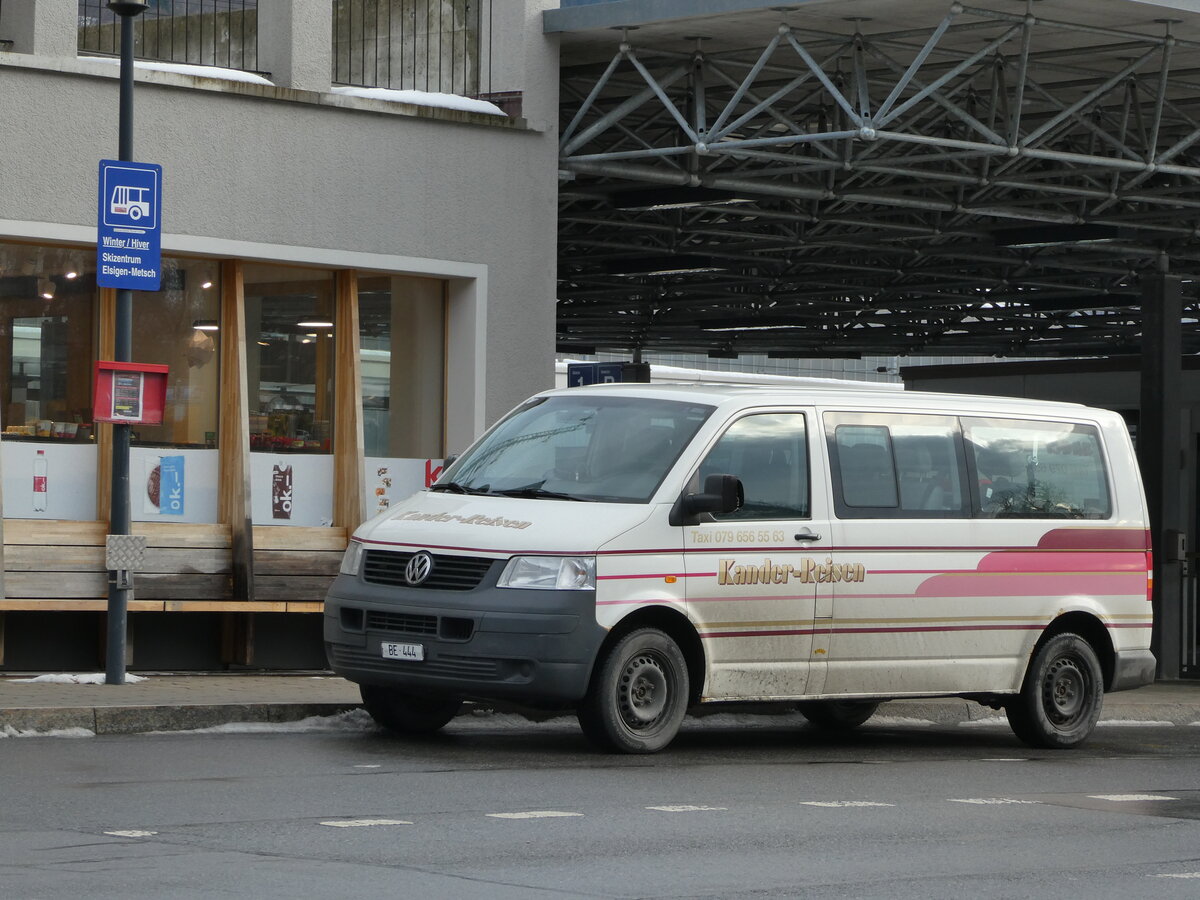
column 990, row 801
column 363, row 823
column 842, row 804
column 131, row 833
column 1129, row 798
column 535, row 814
column 687, row 808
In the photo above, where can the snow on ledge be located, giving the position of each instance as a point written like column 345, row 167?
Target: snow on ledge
column 96, row 678
column 415, row 98
column 7, row 731
column 422, row 98
column 186, row 69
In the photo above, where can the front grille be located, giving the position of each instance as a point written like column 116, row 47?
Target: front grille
column 450, row 573
column 483, row 667
column 402, row 623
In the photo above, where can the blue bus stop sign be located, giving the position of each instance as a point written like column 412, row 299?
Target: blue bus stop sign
column 129, row 226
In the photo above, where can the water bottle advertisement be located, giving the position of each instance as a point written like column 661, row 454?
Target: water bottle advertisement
column 49, row 481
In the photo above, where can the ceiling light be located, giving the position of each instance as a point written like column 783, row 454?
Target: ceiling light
column 1056, row 235
column 206, row 325
column 678, row 197
column 206, row 285
column 314, row 323
column 666, row 264
column 71, row 276
column 46, row 288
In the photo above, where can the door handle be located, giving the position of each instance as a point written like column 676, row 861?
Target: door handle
column 808, row 536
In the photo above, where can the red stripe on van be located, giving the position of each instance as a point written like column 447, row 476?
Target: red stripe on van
column 1095, row 539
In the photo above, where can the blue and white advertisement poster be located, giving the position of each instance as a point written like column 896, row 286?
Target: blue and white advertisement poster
column 129, row 226
column 164, row 492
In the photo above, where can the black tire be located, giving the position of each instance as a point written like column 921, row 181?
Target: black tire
column 405, row 713
column 837, row 715
column 638, row 695
column 1061, row 698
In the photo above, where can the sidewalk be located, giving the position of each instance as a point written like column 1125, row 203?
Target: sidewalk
column 172, row 702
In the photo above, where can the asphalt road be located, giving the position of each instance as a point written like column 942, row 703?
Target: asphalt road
column 498, row 807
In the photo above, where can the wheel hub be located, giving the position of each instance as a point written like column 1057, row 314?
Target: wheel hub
column 1065, row 691
column 643, row 691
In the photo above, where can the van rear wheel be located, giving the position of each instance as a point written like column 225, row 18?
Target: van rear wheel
column 1061, row 698
column 639, row 694
column 406, row 713
column 837, row 715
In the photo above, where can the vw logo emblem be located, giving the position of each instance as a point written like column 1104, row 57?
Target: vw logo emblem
column 418, row 568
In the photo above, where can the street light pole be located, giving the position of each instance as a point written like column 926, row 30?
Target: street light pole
column 119, row 516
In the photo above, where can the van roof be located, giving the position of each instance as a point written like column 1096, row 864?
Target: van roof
column 720, row 394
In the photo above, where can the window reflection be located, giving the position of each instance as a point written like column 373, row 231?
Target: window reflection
column 289, row 355
column 401, row 359
column 177, row 326
column 47, row 343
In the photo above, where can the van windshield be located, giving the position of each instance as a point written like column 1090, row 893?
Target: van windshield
column 612, row 449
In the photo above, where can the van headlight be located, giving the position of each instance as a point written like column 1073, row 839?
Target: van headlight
column 550, row 573
column 351, row 559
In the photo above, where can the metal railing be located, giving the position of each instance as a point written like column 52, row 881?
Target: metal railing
column 199, row 32
column 424, row 45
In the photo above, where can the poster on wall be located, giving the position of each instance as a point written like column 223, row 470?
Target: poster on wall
column 164, row 486
column 389, row 481
column 294, row 489
column 179, row 486
column 48, row 481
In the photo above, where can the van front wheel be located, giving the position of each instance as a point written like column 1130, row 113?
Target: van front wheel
column 406, row 713
column 639, row 694
column 1061, row 698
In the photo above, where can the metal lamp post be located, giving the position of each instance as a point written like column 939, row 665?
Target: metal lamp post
column 119, row 517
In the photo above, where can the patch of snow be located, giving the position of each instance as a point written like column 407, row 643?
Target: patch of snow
column 422, row 98
column 186, row 69
column 7, row 731
column 94, row 678
column 349, row 721
column 1134, row 723
column 893, row 721
column 986, row 720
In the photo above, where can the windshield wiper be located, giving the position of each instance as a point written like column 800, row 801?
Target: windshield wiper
column 453, row 487
column 534, row 492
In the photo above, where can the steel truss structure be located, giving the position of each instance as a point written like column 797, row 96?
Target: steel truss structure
column 995, row 183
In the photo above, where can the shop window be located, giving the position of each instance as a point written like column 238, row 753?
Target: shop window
column 290, row 370
column 173, row 466
column 178, row 326
column 402, row 362
column 47, row 350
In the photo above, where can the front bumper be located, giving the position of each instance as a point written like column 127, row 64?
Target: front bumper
column 533, row 647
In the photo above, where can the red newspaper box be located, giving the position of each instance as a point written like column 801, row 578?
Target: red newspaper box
column 129, row 393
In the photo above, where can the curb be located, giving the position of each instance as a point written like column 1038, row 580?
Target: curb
column 141, row 719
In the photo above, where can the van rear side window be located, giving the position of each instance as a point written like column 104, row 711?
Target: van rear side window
column 897, row 466
column 1038, row 470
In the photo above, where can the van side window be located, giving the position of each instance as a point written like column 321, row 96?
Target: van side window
column 866, row 467
column 769, row 453
column 897, row 466
column 1037, row 470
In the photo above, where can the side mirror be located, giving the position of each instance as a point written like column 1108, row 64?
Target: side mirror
column 722, row 494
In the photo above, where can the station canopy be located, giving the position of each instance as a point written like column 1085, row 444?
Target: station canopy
column 875, row 177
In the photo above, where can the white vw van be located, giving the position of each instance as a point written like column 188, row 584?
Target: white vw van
column 628, row 551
